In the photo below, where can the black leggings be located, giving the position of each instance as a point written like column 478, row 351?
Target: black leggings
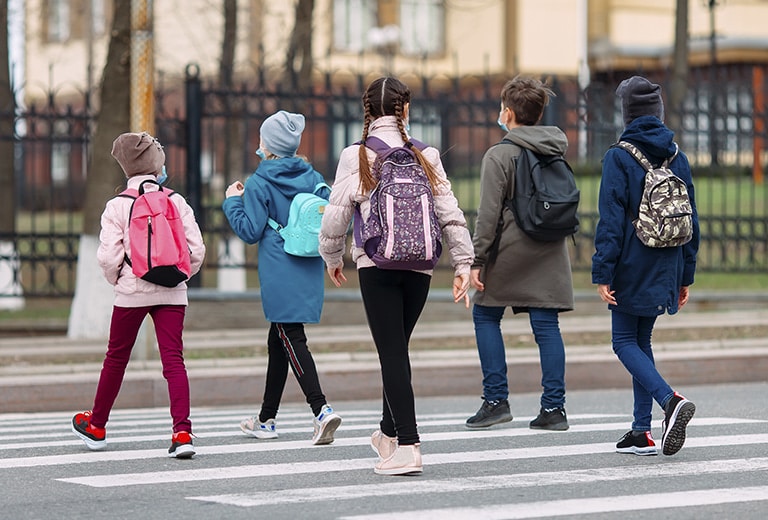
column 287, row 345
column 393, row 302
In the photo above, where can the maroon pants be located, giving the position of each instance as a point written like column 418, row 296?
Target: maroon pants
column 126, row 321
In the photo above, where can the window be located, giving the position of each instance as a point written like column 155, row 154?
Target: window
column 352, row 20
column 57, row 20
column 422, row 27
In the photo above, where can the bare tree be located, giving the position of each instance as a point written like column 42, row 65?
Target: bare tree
column 89, row 316
column 679, row 87
column 7, row 116
column 298, row 63
column 10, row 285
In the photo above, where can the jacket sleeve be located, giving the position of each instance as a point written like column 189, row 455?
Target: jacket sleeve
column 340, row 209
column 192, row 232
column 493, row 190
column 451, row 218
column 111, row 252
column 613, row 201
column 247, row 215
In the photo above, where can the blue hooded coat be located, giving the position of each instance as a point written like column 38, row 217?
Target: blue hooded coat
column 647, row 280
column 292, row 288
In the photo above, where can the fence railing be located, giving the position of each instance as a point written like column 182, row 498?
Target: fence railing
column 210, row 135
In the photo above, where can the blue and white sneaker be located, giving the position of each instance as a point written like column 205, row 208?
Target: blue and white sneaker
column 261, row 430
column 325, row 424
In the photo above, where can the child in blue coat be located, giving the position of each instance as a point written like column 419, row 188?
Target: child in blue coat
column 639, row 282
column 292, row 287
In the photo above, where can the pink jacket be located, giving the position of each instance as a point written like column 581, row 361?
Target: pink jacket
column 131, row 291
column 345, row 194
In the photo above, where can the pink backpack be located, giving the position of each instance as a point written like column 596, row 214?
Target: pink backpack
column 159, row 251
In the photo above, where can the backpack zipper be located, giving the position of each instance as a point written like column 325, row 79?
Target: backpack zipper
column 149, row 242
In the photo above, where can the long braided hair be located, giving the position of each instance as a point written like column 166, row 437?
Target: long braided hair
column 387, row 96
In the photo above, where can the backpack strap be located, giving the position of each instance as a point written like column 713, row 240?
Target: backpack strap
column 642, row 159
column 380, row 147
column 635, row 152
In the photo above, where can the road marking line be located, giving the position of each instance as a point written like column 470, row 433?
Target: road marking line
column 583, row 506
column 269, row 470
column 278, row 445
column 464, row 484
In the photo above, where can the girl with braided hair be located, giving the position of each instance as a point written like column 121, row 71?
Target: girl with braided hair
column 393, row 299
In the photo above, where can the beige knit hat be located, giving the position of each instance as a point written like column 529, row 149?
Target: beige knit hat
column 138, row 154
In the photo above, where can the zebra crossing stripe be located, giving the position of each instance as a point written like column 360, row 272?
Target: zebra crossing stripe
column 204, row 434
column 267, row 446
column 583, row 506
column 464, row 484
column 270, row 470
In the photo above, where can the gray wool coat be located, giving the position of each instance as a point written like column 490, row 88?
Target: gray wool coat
column 526, row 273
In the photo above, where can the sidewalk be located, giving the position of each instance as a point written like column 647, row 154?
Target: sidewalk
column 703, row 344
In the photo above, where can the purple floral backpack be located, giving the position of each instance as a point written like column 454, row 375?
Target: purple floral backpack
column 402, row 231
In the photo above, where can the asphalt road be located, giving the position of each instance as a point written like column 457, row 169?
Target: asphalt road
column 508, row 471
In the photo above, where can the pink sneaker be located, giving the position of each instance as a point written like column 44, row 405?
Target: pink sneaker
column 382, row 444
column 406, row 460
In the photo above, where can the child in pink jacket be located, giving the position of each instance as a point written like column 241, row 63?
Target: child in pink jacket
column 142, row 159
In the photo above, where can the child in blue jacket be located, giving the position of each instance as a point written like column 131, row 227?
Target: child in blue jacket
column 638, row 282
column 292, row 287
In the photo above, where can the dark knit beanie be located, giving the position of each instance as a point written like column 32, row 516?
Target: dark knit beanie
column 138, row 154
column 640, row 97
column 281, row 133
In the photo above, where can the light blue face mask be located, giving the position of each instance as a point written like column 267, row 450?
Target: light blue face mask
column 162, row 177
column 501, row 124
column 261, row 154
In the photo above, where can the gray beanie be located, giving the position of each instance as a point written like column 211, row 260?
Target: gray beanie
column 138, row 154
column 640, row 97
column 281, row 133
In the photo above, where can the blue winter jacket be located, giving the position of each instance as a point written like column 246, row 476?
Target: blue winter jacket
column 292, row 288
column 647, row 280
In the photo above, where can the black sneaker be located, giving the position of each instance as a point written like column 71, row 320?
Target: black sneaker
column 640, row 443
column 678, row 412
column 550, row 419
column 490, row 413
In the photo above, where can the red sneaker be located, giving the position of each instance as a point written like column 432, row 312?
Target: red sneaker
column 181, row 446
column 93, row 437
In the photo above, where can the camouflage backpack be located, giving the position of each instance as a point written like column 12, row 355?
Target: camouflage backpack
column 665, row 215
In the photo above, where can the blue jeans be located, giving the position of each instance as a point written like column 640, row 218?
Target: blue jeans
column 632, row 344
column 490, row 346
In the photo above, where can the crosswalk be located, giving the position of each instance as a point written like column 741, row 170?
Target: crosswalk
column 506, row 472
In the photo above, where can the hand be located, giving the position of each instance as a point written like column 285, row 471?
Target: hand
column 460, row 288
column 474, row 278
column 683, row 298
column 606, row 294
column 235, row 189
column 337, row 276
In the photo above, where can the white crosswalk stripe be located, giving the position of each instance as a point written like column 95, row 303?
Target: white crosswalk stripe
column 139, row 437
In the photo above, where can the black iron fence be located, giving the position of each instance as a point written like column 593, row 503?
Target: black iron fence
column 210, row 135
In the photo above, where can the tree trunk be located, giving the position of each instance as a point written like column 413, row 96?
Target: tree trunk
column 91, row 306
column 679, row 87
column 298, row 64
column 10, row 267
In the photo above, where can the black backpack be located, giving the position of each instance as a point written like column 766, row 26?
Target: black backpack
column 546, row 199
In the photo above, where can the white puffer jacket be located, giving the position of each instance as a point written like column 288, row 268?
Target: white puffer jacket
column 131, row 291
column 345, row 195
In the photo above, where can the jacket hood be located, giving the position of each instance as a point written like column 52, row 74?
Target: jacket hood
column 651, row 136
column 546, row 140
column 290, row 175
